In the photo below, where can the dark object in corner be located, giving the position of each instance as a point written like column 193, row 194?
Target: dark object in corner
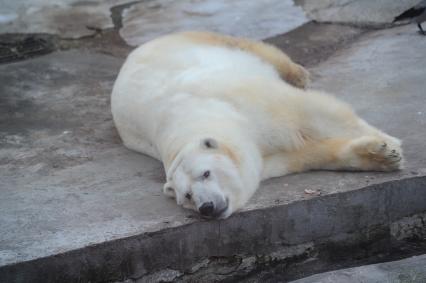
column 416, row 13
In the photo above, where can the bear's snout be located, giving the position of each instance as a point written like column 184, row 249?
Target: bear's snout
column 207, row 209
column 212, row 209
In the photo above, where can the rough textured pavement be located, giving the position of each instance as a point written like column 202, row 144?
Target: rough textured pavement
column 68, row 183
column 410, row 270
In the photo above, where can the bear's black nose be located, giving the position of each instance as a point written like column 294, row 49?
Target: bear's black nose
column 207, row 209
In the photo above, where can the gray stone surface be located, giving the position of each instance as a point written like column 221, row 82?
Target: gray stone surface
column 253, row 19
column 358, row 12
column 70, row 189
column 66, row 18
column 410, row 270
column 66, row 180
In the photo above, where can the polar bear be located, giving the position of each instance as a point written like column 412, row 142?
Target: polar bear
column 223, row 113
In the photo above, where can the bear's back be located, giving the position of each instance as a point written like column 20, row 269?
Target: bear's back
column 171, row 63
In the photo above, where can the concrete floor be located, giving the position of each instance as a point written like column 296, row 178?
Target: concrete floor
column 410, row 270
column 68, row 184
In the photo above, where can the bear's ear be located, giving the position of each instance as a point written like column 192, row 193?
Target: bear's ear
column 209, row 143
column 168, row 190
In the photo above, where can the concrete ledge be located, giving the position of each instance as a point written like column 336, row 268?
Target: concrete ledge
column 262, row 232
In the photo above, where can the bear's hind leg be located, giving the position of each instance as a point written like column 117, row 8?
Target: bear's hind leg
column 323, row 154
column 373, row 153
column 337, row 139
column 366, row 153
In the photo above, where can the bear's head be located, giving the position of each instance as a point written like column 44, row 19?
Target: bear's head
column 205, row 177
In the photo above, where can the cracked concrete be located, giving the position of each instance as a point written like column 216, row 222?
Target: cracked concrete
column 140, row 21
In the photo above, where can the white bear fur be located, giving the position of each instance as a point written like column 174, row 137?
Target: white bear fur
column 205, row 102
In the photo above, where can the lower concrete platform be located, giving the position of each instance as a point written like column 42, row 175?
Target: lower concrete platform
column 75, row 205
column 412, row 270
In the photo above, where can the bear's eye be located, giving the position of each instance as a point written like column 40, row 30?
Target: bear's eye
column 188, row 196
column 206, row 174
